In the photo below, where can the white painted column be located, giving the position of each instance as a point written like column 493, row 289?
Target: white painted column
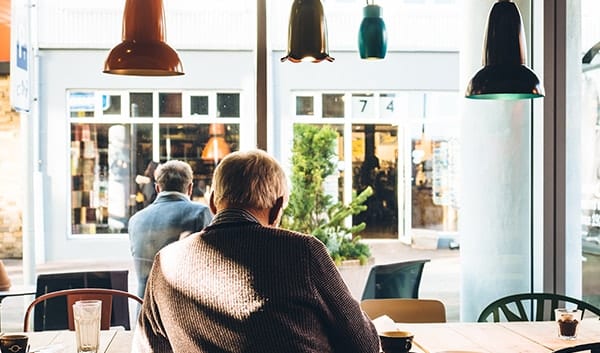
column 496, row 180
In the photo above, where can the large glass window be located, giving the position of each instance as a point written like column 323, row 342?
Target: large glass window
column 111, row 149
column 411, row 169
column 590, row 148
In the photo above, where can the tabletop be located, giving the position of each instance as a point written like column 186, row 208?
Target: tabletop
column 63, row 341
column 501, row 337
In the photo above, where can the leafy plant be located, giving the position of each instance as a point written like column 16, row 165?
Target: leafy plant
column 310, row 209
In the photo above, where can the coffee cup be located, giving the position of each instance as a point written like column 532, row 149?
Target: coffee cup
column 567, row 320
column 396, row 341
column 13, row 343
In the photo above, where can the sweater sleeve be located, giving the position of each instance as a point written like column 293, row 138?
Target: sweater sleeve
column 348, row 327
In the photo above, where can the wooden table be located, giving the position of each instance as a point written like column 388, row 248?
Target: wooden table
column 63, row 341
column 502, row 337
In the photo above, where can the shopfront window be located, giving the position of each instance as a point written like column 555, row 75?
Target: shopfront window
column 412, row 170
column 110, row 151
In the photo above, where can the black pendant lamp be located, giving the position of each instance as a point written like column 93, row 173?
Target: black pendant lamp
column 372, row 35
column 143, row 51
column 504, row 74
column 307, row 33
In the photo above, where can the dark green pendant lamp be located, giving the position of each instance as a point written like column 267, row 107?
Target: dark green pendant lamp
column 372, row 35
column 307, row 33
column 504, row 74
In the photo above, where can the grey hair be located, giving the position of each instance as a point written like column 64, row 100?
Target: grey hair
column 174, row 175
column 249, row 180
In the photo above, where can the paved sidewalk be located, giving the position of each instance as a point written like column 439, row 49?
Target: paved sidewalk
column 441, row 277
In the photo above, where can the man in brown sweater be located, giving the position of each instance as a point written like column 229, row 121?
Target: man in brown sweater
column 244, row 285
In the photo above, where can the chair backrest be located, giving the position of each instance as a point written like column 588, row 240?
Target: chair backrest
column 73, row 295
column 396, row 280
column 406, row 310
column 584, row 347
column 51, row 315
column 540, row 306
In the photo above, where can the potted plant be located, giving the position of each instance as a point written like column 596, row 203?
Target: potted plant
column 311, row 210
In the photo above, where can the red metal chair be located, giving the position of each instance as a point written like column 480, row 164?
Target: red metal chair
column 72, row 295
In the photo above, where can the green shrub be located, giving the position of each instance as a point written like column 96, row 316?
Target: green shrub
column 310, row 209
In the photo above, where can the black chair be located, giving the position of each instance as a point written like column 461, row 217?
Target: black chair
column 396, row 280
column 52, row 314
column 541, row 306
column 592, row 347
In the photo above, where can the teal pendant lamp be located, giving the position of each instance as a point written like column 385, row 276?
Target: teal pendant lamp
column 504, row 75
column 372, row 35
column 307, row 33
column 143, row 51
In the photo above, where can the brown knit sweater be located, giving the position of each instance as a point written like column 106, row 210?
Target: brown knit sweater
column 242, row 287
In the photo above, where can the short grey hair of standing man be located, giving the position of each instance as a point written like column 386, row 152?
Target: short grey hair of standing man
column 174, row 175
column 243, row 285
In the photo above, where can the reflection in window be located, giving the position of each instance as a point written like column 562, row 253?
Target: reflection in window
column 305, row 105
column 434, row 179
column 81, row 104
column 194, row 144
column 104, row 161
column 228, row 105
column 374, row 164
column 199, row 105
column 169, row 105
column 333, row 105
column 111, row 105
column 141, row 105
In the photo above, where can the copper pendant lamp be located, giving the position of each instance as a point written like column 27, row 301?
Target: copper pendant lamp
column 504, row 74
column 216, row 147
column 307, row 33
column 143, row 51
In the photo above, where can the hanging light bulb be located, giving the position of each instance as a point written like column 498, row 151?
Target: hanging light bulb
column 143, row 51
column 372, row 35
column 307, row 33
column 504, row 74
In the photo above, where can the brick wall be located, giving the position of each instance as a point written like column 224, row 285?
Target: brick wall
column 11, row 166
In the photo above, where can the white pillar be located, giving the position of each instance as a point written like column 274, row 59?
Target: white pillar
column 495, row 196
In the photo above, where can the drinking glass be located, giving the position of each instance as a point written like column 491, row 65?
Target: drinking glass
column 86, row 314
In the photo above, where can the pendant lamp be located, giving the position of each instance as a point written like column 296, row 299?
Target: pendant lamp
column 307, row 33
column 143, row 51
column 372, row 35
column 504, row 74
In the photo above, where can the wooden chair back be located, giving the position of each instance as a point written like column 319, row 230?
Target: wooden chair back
column 406, row 310
column 73, row 295
column 52, row 315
